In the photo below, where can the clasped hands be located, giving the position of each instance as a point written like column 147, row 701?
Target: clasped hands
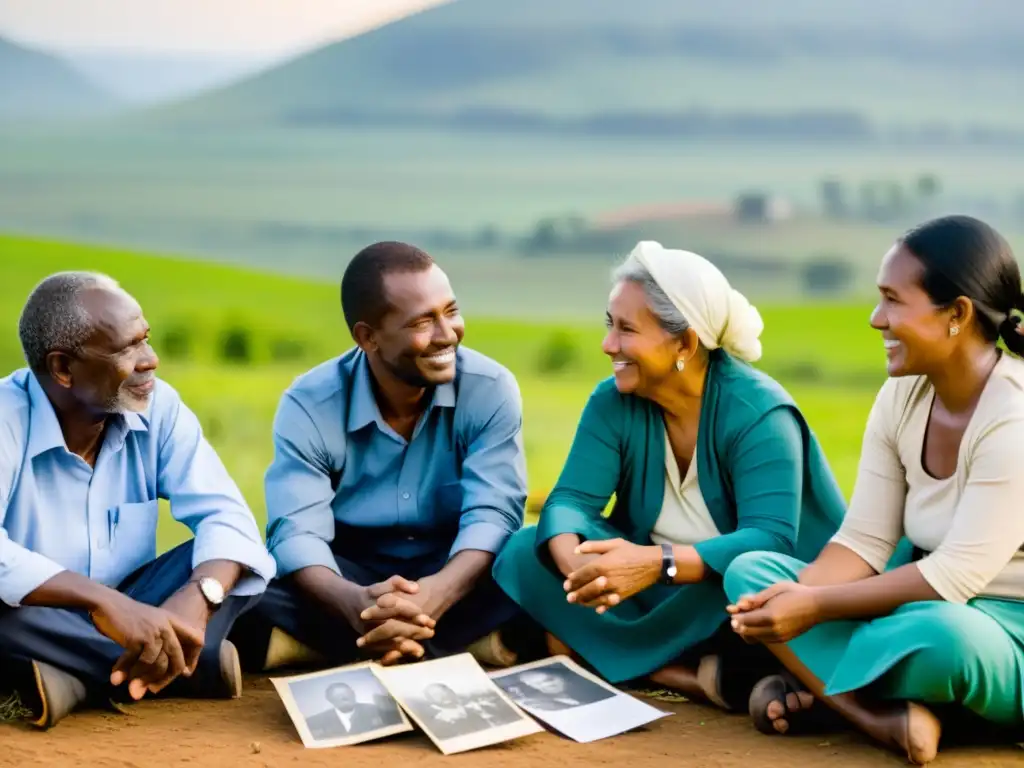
column 606, row 572
column 777, row 614
column 160, row 643
column 394, row 616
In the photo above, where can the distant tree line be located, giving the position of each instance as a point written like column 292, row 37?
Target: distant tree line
column 879, row 200
column 799, row 125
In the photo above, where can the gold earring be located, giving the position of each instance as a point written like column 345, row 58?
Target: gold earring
column 954, row 330
column 680, row 365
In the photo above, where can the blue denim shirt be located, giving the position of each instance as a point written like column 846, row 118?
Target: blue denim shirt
column 57, row 513
column 459, row 482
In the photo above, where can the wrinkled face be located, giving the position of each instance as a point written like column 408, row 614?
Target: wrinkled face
column 417, row 338
column 643, row 353
column 441, row 695
column 914, row 331
column 342, row 697
column 548, row 684
column 115, row 370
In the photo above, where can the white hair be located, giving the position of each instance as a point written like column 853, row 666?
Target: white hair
column 53, row 316
column 668, row 315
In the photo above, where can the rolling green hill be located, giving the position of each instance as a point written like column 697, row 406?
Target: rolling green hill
column 37, row 86
column 828, row 357
column 786, row 69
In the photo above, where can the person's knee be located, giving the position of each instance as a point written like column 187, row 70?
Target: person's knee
column 961, row 642
column 752, row 572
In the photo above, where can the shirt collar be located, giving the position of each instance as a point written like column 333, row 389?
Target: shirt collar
column 45, row 434
column 363, row 408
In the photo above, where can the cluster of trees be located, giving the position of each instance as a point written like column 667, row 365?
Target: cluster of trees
column 878, row 200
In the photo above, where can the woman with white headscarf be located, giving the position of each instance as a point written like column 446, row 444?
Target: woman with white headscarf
column 707, row 458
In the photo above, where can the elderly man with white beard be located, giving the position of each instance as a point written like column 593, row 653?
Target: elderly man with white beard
column 90, row 441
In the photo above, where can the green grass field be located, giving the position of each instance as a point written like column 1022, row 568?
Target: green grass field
column 826, row 356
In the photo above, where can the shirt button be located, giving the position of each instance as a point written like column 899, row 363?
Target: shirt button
column 405, row 495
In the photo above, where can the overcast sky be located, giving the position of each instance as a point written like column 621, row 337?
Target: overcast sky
column 246, row 27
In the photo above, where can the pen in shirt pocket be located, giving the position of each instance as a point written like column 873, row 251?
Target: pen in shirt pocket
column 113, row 515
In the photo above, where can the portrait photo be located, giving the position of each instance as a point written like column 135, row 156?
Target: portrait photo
column 455, row 703
column 553, row 686
column 341, row 706
column 569, row 699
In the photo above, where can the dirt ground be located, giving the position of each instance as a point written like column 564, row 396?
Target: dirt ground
column 255, row 731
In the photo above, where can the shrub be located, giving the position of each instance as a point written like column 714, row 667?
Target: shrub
column 559, row 353
column 236, row 345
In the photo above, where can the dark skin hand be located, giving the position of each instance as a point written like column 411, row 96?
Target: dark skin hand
column 621, row 569
column 788, row 609
column 563, row 551
column 433, row 598
column 399, row 633
column 159, row 645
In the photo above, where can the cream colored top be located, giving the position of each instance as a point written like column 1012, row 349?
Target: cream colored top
column 971, row 523
column 684, row 518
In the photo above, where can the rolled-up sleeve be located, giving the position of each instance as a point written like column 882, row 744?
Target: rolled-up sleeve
column 205, row 498
column 22, row 571
column 300, row 519
column 494, row 475
column 988, row 526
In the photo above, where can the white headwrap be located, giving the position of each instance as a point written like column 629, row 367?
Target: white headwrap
column 720, row 315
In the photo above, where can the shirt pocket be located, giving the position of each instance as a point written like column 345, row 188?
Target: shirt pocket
column 132, row 537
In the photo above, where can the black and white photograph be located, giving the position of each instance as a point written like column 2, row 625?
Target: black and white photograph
column 572, row 701
column 455, row 703
column 341, row 706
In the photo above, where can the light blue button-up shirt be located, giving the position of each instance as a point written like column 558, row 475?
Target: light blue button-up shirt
column 57, row 513
column 459, row 483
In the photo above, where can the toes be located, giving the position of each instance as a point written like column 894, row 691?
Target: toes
column 774, row 710
column 781, row 725
column 806, row 700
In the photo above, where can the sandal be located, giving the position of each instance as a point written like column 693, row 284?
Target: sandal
column 777, row 688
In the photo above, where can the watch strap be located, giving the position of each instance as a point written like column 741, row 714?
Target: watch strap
column 668, row 564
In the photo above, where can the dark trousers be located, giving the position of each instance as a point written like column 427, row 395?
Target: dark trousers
column 485, row 609
column 68, row 640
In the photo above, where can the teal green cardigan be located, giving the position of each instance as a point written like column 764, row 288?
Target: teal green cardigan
column 763, row 475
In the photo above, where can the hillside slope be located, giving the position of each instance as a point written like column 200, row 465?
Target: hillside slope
column 36, row 85
column 652, row 66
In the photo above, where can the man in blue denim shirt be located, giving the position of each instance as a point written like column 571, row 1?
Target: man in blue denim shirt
column 398, row 474
column 90, row 440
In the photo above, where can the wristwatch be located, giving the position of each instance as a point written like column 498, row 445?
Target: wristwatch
column 211, row 590
column 668, row 564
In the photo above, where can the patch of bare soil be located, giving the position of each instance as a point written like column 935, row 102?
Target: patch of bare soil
column 255, row 731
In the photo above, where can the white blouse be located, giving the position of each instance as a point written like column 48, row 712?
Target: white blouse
column 684, row 518
column 972, row 523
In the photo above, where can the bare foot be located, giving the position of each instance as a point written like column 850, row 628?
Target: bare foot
column 921, row 733
column 780, row 704
column 679, row 678
column 795, row 702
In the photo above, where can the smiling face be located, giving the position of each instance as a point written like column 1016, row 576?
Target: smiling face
column 417, row 338
column 915, row 332
column 115, row 370
column 643, row 353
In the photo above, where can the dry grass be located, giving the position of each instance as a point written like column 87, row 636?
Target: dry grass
column 11, row 708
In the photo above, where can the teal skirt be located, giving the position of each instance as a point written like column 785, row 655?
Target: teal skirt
column 932, row 652
column 635, row 638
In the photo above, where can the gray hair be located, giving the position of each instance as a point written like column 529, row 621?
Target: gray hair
column 668, row 315
column 54, row 318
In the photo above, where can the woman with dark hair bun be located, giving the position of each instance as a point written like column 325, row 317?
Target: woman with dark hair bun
column 888, row 646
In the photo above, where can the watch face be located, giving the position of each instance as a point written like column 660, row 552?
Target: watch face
column 213, row 590
column 671, row 572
